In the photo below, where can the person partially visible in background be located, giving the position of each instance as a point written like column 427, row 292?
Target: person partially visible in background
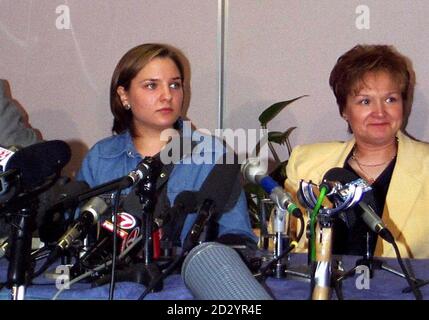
column 13, row 131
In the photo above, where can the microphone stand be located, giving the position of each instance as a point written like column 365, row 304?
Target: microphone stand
column 282, row 242
column 281, row 239
column 146, row 190
column 372, row 264
column 23, row 209
column 322, row 266
column 147, row 271
column 263, row 237
column 20, row 252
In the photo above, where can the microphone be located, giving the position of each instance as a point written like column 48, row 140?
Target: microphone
column 89, row 216
column 130, row 180
column 213, row 271
column 134, row 177
column 39, row 161
column 204, row 214
column 372, row 220
column 255, row 173
column 184, row 203
column 128, row 228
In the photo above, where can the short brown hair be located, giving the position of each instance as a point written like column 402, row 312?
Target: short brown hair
column 353, row 65
column 126, row 70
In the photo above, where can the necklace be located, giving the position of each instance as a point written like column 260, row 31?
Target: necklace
column 353, row 157
column 368, row 177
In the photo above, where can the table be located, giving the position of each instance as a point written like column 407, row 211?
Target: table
column 383, row 286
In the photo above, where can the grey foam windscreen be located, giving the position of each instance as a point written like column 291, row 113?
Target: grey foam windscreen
column 213, row 271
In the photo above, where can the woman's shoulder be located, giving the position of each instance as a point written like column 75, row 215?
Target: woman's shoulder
column 101, row 162
column 319, row 148
column 414, row 147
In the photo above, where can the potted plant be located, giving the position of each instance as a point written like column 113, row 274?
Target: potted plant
column 254, row 193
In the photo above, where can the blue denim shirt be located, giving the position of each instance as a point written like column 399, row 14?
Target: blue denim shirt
column 116, row 156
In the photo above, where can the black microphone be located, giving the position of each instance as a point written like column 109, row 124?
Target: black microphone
column 372, row 220
column 173, row 219
column 255, row 173
column 213, row 271
column 205, row 212
column 39, row 161
column 131, row 179
column 209, row 203
column 221, row 199
column 184, row 203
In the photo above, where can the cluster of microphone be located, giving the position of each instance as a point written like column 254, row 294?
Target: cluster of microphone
column 254, row 172
column 342, row 177
column 206, row 264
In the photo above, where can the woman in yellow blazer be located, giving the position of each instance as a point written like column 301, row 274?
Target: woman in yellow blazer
column 372, row 87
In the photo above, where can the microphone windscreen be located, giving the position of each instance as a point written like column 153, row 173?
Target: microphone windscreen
column 213, row 271
column 225, row 197
column 345, row 176
column 40, row 161
column 340, row 175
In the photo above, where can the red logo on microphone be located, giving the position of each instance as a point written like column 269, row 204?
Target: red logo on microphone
column 126, row 221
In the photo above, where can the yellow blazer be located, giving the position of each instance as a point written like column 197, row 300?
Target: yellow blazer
column 406, row 211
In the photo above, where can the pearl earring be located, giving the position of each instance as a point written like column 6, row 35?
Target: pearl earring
column 127, row 106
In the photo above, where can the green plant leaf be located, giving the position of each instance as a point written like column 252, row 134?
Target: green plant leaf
column 269, row 114
column 280, row 137
column 277, row 137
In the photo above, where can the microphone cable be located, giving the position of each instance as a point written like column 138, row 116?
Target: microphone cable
column 162, row 276
column 312, row 242
column 115, row 240
column 301, row 229
column 412, row 285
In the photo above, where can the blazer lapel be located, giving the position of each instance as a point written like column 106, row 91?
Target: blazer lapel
column 404, row 188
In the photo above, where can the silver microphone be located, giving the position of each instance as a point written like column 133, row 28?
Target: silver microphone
column 254, row 172
column 89, row 215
